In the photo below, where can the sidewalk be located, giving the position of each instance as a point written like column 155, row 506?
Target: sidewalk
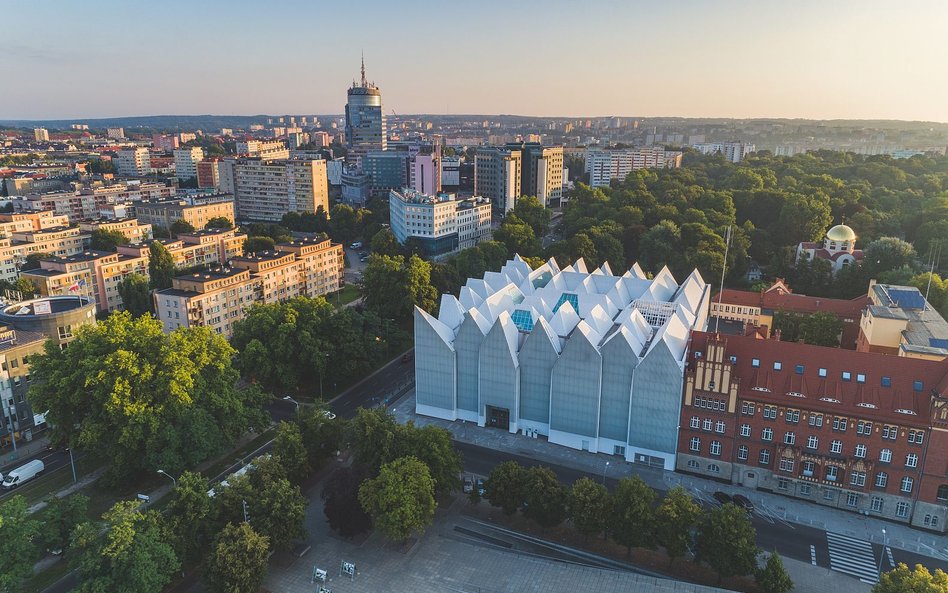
column 774, row 506
column 24, row 449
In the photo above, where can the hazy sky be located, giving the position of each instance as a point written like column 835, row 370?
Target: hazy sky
column 711, row 58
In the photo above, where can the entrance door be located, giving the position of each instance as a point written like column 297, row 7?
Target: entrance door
column 498, row 417
column 750, row 480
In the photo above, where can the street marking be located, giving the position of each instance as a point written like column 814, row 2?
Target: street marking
column 888, row 551
column 852, row 556
column 813, row 555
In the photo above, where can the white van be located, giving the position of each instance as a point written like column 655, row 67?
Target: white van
column 24, row 473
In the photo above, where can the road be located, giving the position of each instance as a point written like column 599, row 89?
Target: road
column 52, row 460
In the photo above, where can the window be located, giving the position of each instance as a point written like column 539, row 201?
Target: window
column 695, row 422
column 786, row 465
column 875, row 504
column 770, row 412
column 836, row 447
column 767, row 434
column 808, row 468
column 857, row 478
column 917, row 385
column 832, row 473
column 798, row 369
column 695, row 444
column 745, row 430
column 714, row 468
column 885, row 455
column 815, row 420
column 693, row 464
column 747, row 408
column 65, row 331
column 764, row 458
column 852, row 499
column 789, row 438
column 812, row 442
column 916, row 437
column 805, row 489
column 742, row 453
column 792, row 416
column 931, row 520
column 783, row 483
column 777, row 365
column 618, row 450
column 720, row 426
column 887, row 381
column 911, row 460
column 715, row 447
column 861, row 451
column 901, row 509
column 907, row 484
column 821, row 372
column 847, row 376
column 864, row 428
column 860, row 378
column 755, row 362
column 829, row 494
column 943, row 492
column 707, row 424
column 882, row 479
column 890, row 432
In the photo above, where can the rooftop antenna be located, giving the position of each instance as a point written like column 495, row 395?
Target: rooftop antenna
column 363, row 68
column 727, row 245
column 936, row 254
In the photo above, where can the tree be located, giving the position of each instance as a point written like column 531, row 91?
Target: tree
column 26, row 287
column 633, row 520
column 505, row 486
column 276, row 507
column 161, row 268
column 220, row 222
column 135, row 291
column 322, row 436
column 433, row 446
column 190, row 514
column 32, row 261
column 385, row 243
column 59, row 517
column 181, row 227
column 676, row 516
column 589, row 506
column 238, row 562
column 19, row 552
column 104, row 240
column 803, row 218
column 341, row 502
column 344, row 223
column 902, row 579
column 545, row 499
column 100, row 166
column 143, row 398
column 401, row 499
column 773, row 577
column 288, row 448
column 531, row 211
column 517, row 236
column 393, row 286
column 888, row 253
column 131, row 556
column 255, row 244
column 726, row 541
column 821, row 329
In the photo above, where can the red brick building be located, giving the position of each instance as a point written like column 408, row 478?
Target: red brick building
column 859, row 431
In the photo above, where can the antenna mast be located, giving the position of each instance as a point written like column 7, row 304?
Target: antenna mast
column 727, row 245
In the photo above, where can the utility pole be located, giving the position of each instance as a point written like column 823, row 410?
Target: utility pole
column 727, row 245
column 246, row 512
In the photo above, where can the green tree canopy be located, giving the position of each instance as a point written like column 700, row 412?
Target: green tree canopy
column 590, row 505
column 773, row 577
column 19, row 551
column 385, row 243
column 190, row 514
column 393, row 286
column 135, row 290
column 104, row 240
column 675, row 518
column 181, row 227
column 341, row 506
column 253, row 244
column 401, row 499
column 161, row 268
column 220, row 222
column 506, row 486
column 906, row 580
column 32, row 261
column 59, row 517
column 238, row 562
column 276, row 507
column 531, row 211
column 726, row 541
column 633, row 519
column 545, row 499
column 288, row 448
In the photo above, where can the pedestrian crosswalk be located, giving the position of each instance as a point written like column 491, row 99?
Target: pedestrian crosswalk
column 853, row 557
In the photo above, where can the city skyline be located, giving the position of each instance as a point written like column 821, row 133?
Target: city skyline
column 810, row 60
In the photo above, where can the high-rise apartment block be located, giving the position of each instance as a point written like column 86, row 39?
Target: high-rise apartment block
column 219, row 298
column 265, row 149
column 266, row 190
column 365, row 120
column 426, row 173
column 497, row 177
column 95, row 275
column 41, row 134
column 115, row 133
column 604, row 165
column 185, row 162
column 732, row 151
column 133, row 162
column 442, row 224
column 163, row 213
column 208, row 173
column 89, row 202
column 35, row 232
column 165, row 142
column 541, row 171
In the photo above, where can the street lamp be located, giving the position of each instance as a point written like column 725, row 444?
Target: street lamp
column 169, row 476
column 290, row 399
column 605, row 467
column 882, row 554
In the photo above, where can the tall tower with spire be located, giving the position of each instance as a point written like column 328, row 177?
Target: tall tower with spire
column 365, row 119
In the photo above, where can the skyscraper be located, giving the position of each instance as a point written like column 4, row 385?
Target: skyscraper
column 365, row 121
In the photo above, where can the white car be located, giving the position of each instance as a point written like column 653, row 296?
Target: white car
column 329, row 415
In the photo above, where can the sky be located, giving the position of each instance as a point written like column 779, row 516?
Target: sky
column 816, row 59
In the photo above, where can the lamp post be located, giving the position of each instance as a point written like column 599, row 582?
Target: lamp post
column 604, row 468
column 290, row 399
column 169, row 476
column 882, row 554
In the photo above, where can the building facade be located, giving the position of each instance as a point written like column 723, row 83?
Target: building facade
column 732, row 151
column 442, row 224
column 185, row 162
column 264, row 149
column 133, row 162
column 838, row 248
column 387, row 170
column 604, row 165
column 898, row 320
column 130, row 228
column 593, row 361
column 497, row 177
column 541, row 171
column 164, row 213
column 266, row 190
column 365, row 120
column 835, row 427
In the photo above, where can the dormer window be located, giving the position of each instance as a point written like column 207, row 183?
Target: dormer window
column 755, row 362
column 777, row 365
column 917, row 385
column 887, row 381
column 798, row 369
column 822, row 372
column 847, row 376
column 733, row 360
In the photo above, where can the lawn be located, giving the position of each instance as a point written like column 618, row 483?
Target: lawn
column 349, row 293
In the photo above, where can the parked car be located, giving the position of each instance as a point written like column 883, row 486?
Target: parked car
column 722, row 497
column 22, row 474
column 329, row 415
column 406, row 358
column 356, row 245
column 468, row 485
column 481, row 490
column 743, row 502
column 364, row 258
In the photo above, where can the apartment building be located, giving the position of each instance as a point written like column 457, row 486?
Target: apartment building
column 264, row 149
column 91, row 274
column 497, row 177
column 29, row 221
column 266, row 190
column 133, row 162
column 57, row 241
column 208, row 173
column 542, row 171
column 898, row 320
column 164, row 213
column 40, row 134
column 732, row 151
column 218, row 298
column 131, row 228
column 88, row 203
column 210, row 247
column 185, row 162
column 442, row 224
column 858, row 431
column 604, row 165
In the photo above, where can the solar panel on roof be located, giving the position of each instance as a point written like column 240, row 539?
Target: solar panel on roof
column 938, row 343
column 907, row 299
column 523, row 320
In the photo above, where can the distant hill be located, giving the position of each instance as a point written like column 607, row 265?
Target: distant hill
column 154, row 122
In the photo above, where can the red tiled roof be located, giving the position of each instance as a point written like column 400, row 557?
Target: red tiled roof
column 897, row 403
column 778, row 300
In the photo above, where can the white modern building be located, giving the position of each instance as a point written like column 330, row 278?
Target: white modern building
column 605, row 165
column 41, row 134
column 133, row 162
column 185, row 162
column 589, row 360
column 732, row 151
column 442, row 224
